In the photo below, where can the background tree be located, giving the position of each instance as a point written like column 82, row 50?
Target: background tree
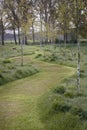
column 2, row 28
column 25, row 10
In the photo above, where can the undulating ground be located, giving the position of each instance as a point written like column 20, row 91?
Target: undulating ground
column 18, row 100
column 25, row 103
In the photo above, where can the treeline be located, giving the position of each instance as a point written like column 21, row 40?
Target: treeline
column 50, row 19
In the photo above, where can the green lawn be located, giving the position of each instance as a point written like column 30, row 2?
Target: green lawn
column 18, row 100
column 29, row 103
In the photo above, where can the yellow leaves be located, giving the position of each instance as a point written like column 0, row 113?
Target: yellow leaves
column 80, row 4
column 25, row 25
column 25, row 16
column 50, row 32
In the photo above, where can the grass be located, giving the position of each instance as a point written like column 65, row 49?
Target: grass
column 10, row 67
column 21, row 97
column 10, row 71
column 47, row 100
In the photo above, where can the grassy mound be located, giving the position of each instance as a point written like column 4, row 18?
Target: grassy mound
column 30, row 104
column 9, row 71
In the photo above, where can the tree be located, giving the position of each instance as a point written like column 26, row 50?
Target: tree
column 25, row 11
column 78, row 61
column 64, row 17
column 2, row 29
column 46, row 11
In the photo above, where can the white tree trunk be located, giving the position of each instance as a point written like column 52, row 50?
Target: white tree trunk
column 22, row 41
column 78, row 68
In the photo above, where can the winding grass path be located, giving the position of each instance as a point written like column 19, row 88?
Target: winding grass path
column 18, row 99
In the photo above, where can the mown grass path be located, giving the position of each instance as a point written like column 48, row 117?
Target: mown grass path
column 18, row 99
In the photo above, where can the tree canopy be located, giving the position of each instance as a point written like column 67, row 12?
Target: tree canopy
column 50, row 17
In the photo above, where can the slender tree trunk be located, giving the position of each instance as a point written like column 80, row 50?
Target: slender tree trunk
column 78, row 45
column 65, row 38
column 22, row 42
column 78, row 68
column 33, row 36
column 2, row 37
column 59, row 35
column 19, row 36
column 25, row 40
column 65, row 33
column 46, row 24
column 76, row 34
column 65, row 28
column 14, row 36
column 41, row 38
column 2, row 32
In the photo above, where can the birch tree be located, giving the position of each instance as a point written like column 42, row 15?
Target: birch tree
column 25, row 11
column 2, row 28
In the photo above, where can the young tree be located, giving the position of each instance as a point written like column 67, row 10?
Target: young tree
column 2, row 29
column 26, row 18
column 64, row 17
column 78, row 61
column 10, row 8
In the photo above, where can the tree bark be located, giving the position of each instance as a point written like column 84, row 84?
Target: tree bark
column 25, row 40
column 14, row 36
column 78, row 45
column 78, row 68
column 46, row 24
column 2, row 32
column 2, row 36
column 33, row 36
column 19, row 41
column 41, row 39
column 65, row 38
column 65, row 32
column 21, row 54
